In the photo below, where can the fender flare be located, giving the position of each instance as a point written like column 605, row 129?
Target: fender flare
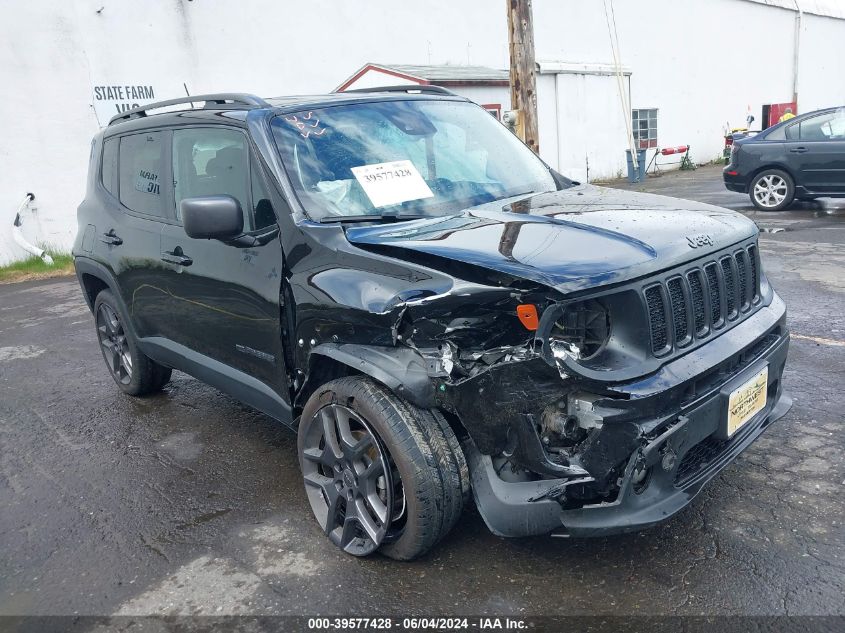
column 400, row 369
column 85, row 266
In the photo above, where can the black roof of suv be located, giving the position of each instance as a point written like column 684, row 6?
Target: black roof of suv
column 243, row 101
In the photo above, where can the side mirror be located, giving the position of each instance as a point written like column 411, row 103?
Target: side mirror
column 212, row 217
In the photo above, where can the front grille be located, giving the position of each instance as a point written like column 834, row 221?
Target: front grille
column 744, row 299
column 657, row 318
column 699, row 311
column 701, row 301
column 699, row 457
column 710, row 454
column 752, row 260
column 730, row 287
column 679, row 308
column 713, row 290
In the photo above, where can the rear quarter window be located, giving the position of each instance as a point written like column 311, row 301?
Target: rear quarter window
column 777, row 135
column 142, row 173
column 108, row 172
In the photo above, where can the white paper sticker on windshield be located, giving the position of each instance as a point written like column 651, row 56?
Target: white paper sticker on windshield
column 391, row 183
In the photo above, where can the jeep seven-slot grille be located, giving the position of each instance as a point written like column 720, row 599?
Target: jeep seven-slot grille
column 701, row 300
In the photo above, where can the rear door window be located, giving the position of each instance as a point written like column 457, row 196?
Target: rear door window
column 823, row 127
column 142, row 173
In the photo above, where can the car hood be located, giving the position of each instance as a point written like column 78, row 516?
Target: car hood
column 577, row 238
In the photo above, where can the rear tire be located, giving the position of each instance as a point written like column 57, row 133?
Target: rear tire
column 133, row 372
column 427, row 481
column 772, row 190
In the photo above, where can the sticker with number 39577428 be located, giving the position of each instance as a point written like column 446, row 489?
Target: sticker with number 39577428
column 391, row 183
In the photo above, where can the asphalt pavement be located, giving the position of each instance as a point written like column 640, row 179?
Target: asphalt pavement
column 189, row 502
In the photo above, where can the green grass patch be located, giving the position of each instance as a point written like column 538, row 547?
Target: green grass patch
column 34, row 268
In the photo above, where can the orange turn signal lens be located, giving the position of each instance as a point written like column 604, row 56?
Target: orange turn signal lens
column 527, row 313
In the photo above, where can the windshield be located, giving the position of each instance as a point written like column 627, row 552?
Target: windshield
column 409, row 157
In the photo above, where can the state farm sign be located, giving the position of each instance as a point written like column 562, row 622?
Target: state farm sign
column 114, row 99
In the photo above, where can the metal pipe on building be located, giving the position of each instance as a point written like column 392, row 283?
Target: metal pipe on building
column 20, row 240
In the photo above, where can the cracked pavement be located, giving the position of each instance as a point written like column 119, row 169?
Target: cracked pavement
column 189, row 502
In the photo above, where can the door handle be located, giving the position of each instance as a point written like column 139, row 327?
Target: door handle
column 111, row 238
column 799, row 150
column 176, row 257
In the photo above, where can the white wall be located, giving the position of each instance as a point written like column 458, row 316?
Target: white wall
column 53, row 53
column 581, row 126
column 702, row 62
column 821, row 81
column 486, row 95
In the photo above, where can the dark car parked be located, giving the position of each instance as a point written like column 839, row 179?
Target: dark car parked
column 433, row 309
column 802, row 158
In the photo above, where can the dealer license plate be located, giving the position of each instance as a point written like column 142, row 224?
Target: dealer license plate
column 746, row 401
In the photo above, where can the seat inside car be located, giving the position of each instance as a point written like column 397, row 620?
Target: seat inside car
column 226, row 171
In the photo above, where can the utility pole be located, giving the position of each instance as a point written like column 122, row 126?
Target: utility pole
column 522, row 72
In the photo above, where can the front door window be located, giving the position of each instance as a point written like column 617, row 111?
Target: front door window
column 210, row 162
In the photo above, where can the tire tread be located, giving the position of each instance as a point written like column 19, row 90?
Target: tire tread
column 426, row 440
column 147, row 375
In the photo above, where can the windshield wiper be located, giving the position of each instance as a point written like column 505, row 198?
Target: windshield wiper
column 387, row 217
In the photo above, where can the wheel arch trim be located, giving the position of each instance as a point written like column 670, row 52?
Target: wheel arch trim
column 400, row 369
column 772, row 166
column 86, row 267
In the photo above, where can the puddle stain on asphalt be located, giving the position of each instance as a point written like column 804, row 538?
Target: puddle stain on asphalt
column 222, row 585
column 20, row 352
column 819, row 339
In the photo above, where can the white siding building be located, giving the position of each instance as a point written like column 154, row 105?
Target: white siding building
column 68, row 66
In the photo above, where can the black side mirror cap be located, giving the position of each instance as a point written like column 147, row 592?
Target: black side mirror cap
column 212, row 217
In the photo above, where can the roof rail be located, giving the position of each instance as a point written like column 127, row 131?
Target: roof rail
column 221, row 100
column 422, row 89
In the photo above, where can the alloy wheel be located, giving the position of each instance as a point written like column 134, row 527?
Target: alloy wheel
column 114, row 344
column 770, row 191
column 351, row 482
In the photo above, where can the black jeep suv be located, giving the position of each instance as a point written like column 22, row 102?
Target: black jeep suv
column 433, row 308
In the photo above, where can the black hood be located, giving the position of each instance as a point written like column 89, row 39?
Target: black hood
column 577, row 238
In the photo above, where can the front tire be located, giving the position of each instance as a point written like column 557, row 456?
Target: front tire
column 380, row 473
column 772, row 190
column 133, row 372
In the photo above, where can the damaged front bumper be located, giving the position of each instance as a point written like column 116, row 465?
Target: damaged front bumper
column 669, row 453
